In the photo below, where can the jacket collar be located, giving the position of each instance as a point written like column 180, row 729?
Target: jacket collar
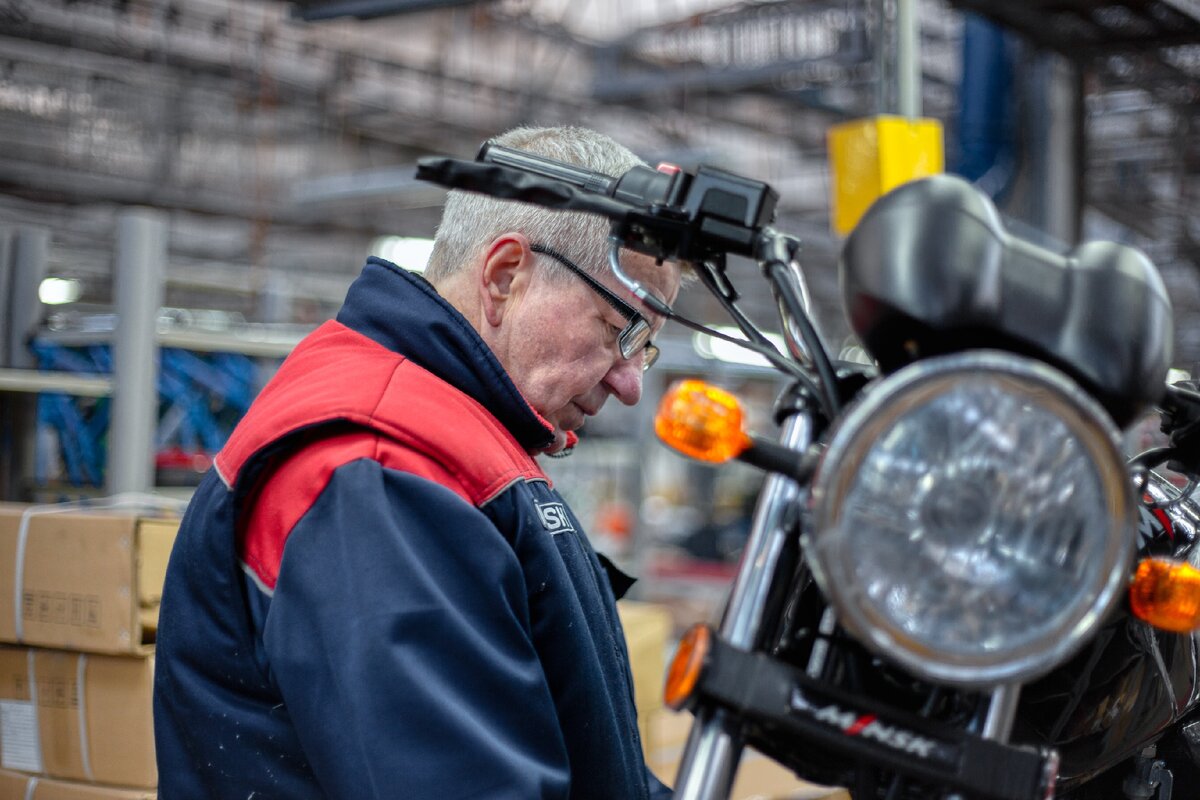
column 403, row 312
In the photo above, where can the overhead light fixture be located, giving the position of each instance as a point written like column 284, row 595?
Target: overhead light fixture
column 408, row 252
column 721, row 350
column 59, row 291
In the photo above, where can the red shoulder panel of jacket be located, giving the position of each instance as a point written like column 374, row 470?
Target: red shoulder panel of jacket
column 295, row 484
column 312, row 384
column 409, row 419
column 338, row 374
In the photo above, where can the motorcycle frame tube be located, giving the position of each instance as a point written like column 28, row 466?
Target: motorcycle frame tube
column 820, row 648
column 1185, row 518
column 714, row 747
column 1185, row 512
column 1002, row 712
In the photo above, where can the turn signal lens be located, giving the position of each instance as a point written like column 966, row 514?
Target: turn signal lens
column 701, row 421
column 1167, row 595
column 687, row 666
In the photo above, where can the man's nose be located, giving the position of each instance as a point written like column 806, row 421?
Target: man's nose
column 625, row 380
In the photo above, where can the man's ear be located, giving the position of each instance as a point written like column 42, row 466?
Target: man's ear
column 507, row 265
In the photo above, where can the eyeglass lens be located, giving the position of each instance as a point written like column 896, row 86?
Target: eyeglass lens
column 635, row 336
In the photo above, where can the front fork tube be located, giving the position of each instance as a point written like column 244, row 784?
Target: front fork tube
column 1002, row 712
column 714, row 745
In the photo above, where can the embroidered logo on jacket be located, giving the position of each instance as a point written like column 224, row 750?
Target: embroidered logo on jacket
column 554, row 518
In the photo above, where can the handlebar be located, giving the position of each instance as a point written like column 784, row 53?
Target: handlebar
column 579, row 177
column 510, row 183
column 666, row 213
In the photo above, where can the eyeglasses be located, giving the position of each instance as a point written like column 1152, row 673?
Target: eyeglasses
column 634, row 338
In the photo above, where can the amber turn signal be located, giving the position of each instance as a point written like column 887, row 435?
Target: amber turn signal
column 701, row 421
column 1166, row 594
column 687, row 666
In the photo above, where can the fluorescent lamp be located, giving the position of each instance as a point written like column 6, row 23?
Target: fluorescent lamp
column 59, row 291
column 721, row 350
column 408, row 252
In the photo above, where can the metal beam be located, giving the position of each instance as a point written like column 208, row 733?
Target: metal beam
column 908, row 60
column 616, row 84
column 27, row 256
column 141, row 256
column 257, row 341
column 30, row 247
column 1077, row 30
column 368, row 9
column 33, row 382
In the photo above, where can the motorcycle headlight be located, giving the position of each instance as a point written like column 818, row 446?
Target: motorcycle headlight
column 973, row 519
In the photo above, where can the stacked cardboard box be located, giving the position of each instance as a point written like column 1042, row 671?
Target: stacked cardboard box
column 82, row 580
column 647, row 632
column 79, row 593
column 28, row 787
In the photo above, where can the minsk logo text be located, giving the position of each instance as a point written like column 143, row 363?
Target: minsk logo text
column 554, row 517
column 866, row 726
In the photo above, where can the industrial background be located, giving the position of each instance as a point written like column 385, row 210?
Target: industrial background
column 212, row 174
column 263, row 149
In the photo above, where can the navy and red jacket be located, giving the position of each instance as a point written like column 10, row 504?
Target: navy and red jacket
column 376, row 592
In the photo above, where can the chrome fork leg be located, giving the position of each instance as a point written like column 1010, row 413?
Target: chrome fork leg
column 710, row 758
column 1002, row 712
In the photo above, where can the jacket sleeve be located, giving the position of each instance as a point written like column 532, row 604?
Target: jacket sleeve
column 658, row 789
column 398, row 635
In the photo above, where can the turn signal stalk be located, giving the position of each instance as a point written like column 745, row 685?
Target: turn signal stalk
column 701, row 421
column 705, row 422
column 687, row 666
column 1166, row 594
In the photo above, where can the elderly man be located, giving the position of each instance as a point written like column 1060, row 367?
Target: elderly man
column 377, row 592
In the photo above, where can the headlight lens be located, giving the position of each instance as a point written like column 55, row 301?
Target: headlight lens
column 973, row 518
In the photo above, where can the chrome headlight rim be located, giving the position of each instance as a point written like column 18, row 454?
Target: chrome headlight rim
column 879, row 409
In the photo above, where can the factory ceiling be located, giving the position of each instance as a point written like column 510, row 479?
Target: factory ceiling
column 280, row 136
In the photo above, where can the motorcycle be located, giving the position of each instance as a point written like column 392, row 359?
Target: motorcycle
column 955, row 584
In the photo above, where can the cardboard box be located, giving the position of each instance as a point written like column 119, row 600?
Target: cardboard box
column 88, row 580
column 77, row 716
column 647, row 635
column 648, row 628
column 758, row 777
column 16, row 786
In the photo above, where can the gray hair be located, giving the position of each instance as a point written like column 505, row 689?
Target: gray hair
column 472, row 221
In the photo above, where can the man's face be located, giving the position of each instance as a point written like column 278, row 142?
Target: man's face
column 558, row 341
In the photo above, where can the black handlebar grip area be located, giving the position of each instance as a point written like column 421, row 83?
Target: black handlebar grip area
column 512, row 184
column 571, row 174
